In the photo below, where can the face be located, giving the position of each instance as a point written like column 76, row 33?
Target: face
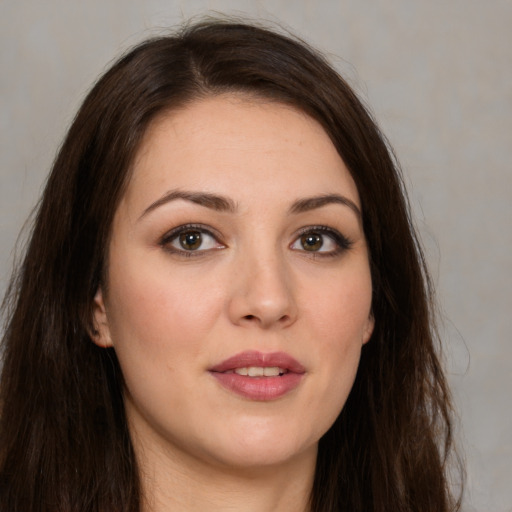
column 238, row 293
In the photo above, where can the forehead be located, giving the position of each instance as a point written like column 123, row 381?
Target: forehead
column 239, row 146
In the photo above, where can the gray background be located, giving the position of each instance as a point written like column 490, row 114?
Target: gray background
column 438, row 75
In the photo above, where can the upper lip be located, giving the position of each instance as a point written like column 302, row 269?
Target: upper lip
column 259, row 359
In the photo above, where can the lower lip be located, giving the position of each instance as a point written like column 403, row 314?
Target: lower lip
column 259, row 388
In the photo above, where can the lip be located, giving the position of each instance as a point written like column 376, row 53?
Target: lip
column 259, row 388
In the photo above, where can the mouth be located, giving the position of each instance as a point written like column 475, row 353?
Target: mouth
column 259, row 376
column 259, row 371
column 254, row 361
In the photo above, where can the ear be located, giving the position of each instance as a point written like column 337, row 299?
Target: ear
column 368, row 328
column 101, row 333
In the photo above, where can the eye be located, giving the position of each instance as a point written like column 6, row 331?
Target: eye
column 189, row 239
column 321, row 239
column 313, row 242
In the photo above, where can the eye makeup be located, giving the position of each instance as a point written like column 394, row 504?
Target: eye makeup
column 321, row 241
column 192, row 240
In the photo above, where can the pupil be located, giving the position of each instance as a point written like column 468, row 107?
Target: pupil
column 312, row 241
column 190, row 240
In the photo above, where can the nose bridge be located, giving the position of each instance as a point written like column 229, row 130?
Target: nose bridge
column 262, row 291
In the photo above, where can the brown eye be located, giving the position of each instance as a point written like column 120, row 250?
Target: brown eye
column 311, row 241
column 321, row 241
column 190, row 240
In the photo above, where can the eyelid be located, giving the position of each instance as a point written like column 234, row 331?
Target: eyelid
column 342, row 242
column 174, row 233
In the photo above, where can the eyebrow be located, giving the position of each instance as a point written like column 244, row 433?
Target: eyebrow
column 212, row 201
column 224, row 204
column 311, row 203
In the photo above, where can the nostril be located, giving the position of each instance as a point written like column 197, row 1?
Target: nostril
column 251, row 318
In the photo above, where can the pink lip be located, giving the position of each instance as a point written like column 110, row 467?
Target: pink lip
column 259, row 388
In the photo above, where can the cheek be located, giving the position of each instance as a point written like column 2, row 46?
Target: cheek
column 156, row 314
column 341, row 319
column 340, row 309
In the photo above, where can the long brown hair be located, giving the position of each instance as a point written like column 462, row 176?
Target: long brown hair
column 65, row 445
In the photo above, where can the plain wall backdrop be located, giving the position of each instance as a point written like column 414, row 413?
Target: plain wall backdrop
column 438, row 77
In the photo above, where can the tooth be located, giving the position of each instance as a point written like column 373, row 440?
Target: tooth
column 259, row 371
column 255, row 371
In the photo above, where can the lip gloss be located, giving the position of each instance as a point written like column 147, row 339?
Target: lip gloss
column 259, row 388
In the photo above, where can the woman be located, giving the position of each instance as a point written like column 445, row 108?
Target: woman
column 223, row 305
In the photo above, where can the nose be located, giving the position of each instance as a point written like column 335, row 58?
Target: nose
column 262, row 293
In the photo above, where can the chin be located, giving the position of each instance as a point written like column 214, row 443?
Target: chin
column 257, row 446
column 255, row 458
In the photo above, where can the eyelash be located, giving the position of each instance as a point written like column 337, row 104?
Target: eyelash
column 341, row 241
column 172, row 235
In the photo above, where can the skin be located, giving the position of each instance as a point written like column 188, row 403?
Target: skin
column 172, row 313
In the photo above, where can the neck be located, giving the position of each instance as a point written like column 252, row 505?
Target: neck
column 173, row 480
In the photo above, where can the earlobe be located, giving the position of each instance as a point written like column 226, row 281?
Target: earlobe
column 101, row 331
column 368, row 329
